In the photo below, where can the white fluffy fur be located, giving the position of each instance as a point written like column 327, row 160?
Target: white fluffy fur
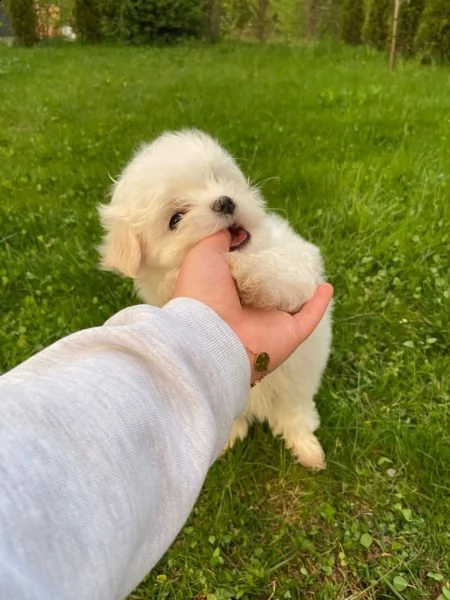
column 187, row 171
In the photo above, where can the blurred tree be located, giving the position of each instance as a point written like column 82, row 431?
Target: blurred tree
column 287, row 19
column 311, row 18
column 143, row 22
column 236, row 17
column 110, row 19
column 433, row 35
column 261, row 19
column 376, row 27
column 410, row 13
column 87, row 20
column 352, row 21
column 24, row 21
column 331, row 19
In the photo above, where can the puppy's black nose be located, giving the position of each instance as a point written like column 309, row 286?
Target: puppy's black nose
column 224, row 205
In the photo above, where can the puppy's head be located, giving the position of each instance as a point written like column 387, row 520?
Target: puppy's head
column 176, row 191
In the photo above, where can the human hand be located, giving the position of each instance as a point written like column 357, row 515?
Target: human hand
column 205, row 276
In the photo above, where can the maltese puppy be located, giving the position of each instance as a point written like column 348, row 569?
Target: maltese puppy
column 184, row 187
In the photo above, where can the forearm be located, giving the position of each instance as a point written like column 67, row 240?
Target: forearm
column 105, row 440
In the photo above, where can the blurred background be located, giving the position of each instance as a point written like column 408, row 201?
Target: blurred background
column 423, row 25
column 357, row 157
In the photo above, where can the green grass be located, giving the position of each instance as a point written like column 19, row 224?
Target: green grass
column 359, row 160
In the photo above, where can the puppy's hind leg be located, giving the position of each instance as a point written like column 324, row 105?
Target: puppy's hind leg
column 301, row 441
column 293, row 415
column 238, row 431
column 306, row 449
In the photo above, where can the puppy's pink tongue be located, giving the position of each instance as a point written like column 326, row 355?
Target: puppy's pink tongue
column 238, row 237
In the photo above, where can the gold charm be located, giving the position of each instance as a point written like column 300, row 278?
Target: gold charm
column 262, row 362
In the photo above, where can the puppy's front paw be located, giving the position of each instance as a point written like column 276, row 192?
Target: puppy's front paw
column 248, row 279
column 261, row 282
column 294, row 303
column 307, row 451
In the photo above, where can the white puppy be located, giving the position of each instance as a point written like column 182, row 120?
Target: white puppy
column 184, row 187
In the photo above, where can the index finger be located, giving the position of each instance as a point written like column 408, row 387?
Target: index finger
column 205, row 274
column 219, row 241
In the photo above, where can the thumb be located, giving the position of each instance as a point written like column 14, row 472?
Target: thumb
column 311, row 313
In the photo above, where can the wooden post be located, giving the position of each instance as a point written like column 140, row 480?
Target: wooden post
column 393, row 57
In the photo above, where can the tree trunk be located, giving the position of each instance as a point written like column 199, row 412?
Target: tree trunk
column 312, row 15
column 212, row 20
column 393, row 57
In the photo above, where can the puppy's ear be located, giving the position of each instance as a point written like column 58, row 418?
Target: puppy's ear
column 121, row 249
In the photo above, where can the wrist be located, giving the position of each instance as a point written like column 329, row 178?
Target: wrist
column 259, row 365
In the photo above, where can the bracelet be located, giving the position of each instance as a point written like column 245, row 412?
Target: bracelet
column 262, row 361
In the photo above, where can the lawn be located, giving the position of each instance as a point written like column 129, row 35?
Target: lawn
column 358, row 159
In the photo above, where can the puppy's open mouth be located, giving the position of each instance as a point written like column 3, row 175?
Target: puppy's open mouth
column 239, row 237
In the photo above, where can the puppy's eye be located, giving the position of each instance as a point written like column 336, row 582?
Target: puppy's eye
column 175, row 220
